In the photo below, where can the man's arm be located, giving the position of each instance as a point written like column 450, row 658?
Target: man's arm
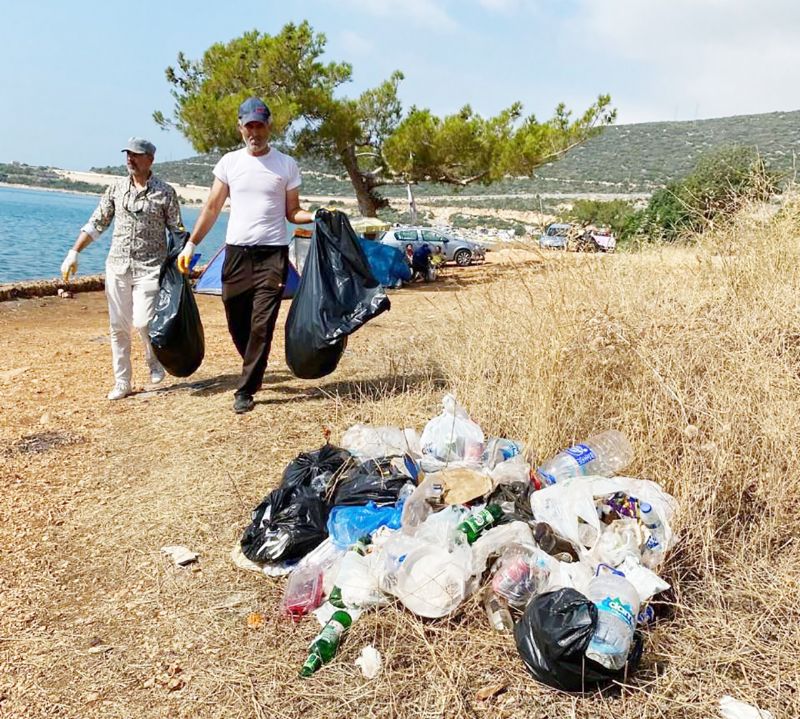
column 210, row 212
column 208, row 216
column 101, row 218
column 295, row 213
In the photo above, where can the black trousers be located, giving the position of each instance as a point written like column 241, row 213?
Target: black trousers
column 253, row 279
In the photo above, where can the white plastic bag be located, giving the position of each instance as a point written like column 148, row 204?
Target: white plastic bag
column 367, row 442
column 562, row 505
column 453, row 436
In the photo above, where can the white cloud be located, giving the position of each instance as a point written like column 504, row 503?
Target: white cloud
column 700, row 57
column 430, row 14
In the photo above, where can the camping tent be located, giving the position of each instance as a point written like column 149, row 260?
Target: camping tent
column 388, row 264
column 210, row 282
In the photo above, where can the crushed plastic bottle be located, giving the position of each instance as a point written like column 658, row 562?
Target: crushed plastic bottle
column 519, row 575
column 303, row 592
column 604, row 454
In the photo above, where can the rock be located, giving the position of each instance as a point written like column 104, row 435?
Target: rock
column 180, row 555
column 9, row 374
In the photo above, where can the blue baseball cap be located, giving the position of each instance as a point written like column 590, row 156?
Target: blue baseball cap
column 139, row 146
column 254, row 110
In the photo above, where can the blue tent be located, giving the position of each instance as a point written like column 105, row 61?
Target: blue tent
column 210, row 282
column 388, row 264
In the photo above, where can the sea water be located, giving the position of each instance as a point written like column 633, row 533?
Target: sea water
column 37, row 227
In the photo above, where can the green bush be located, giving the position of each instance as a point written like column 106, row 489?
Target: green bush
column 721, row 182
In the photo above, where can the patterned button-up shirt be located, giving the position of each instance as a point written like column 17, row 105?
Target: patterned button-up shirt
column 139, row 241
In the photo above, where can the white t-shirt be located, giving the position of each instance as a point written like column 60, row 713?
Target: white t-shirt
column 258, row 187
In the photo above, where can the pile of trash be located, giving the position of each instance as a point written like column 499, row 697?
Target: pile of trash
column 565, row 555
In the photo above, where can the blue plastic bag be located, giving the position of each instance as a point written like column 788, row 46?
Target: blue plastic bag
column 346, row 525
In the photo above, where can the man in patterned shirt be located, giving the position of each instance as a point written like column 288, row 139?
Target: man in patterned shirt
column 143, row 208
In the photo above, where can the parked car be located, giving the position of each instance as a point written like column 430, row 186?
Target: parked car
column 555, row 236
column 454, row 249
column 566, row 236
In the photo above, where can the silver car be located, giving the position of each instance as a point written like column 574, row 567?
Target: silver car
column 462, row 252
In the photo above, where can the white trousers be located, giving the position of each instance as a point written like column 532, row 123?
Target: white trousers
column 131, row 304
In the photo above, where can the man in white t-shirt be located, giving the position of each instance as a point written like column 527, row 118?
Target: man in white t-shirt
column 263, row 185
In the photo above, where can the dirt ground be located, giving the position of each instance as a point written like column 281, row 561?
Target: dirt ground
column 96, row 622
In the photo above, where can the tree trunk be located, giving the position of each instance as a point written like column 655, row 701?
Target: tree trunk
column 369, row 201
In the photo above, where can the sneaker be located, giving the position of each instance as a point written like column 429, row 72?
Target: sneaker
column 121, row 389
column 157, row 373
column 243, row 403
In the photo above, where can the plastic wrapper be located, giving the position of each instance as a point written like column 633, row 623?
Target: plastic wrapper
column 348, row 524
column 462, row 484
column 452, row 436
column 511, row 471
column 290, row 522
column 358, row 582
column 379, row 481
column 303, row 592
column 337, row 294
column 495, row 540
column 176, row 332
column 515, row 500
column 552, row 637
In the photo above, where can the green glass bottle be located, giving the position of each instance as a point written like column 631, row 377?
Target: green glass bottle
column 324, row 646
column 474, row 525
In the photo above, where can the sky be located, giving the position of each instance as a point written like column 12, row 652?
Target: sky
column 77, row 79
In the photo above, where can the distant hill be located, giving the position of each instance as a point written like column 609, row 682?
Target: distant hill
column 621, row 159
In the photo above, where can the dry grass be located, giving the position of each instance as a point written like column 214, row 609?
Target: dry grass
column 694, row 353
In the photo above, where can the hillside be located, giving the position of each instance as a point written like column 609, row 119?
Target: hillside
column 625, row 158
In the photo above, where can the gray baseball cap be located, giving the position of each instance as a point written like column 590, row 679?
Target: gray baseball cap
column 139, row 146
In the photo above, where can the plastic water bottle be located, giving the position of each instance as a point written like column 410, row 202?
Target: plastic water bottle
column 324, row 646
column 497, row 612
column 617, row 603
column 604, row 454
column 656, row 544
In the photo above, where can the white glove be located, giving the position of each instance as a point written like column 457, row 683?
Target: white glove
column 69, row 265
column 185, row 257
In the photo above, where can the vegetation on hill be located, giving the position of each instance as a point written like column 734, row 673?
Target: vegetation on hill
column 622, row 159
column 722, row 181
column 17, row 173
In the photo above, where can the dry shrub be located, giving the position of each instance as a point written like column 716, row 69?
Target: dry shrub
column 695, row 354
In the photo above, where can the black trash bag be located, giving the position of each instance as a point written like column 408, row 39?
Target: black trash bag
column 337, row 294
column 376, row 480
column 516, row 493
column 288, row 524
column 316, row 469
column 552, row 636
column 176, row 332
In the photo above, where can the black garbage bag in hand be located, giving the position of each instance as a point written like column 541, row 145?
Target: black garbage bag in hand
column 552, row 636
column 376, row 480
column 316, row 469
column 288, row 524
column 176, row 332
column 337, row 294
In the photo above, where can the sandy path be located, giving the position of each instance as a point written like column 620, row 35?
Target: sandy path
column 93, row 620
